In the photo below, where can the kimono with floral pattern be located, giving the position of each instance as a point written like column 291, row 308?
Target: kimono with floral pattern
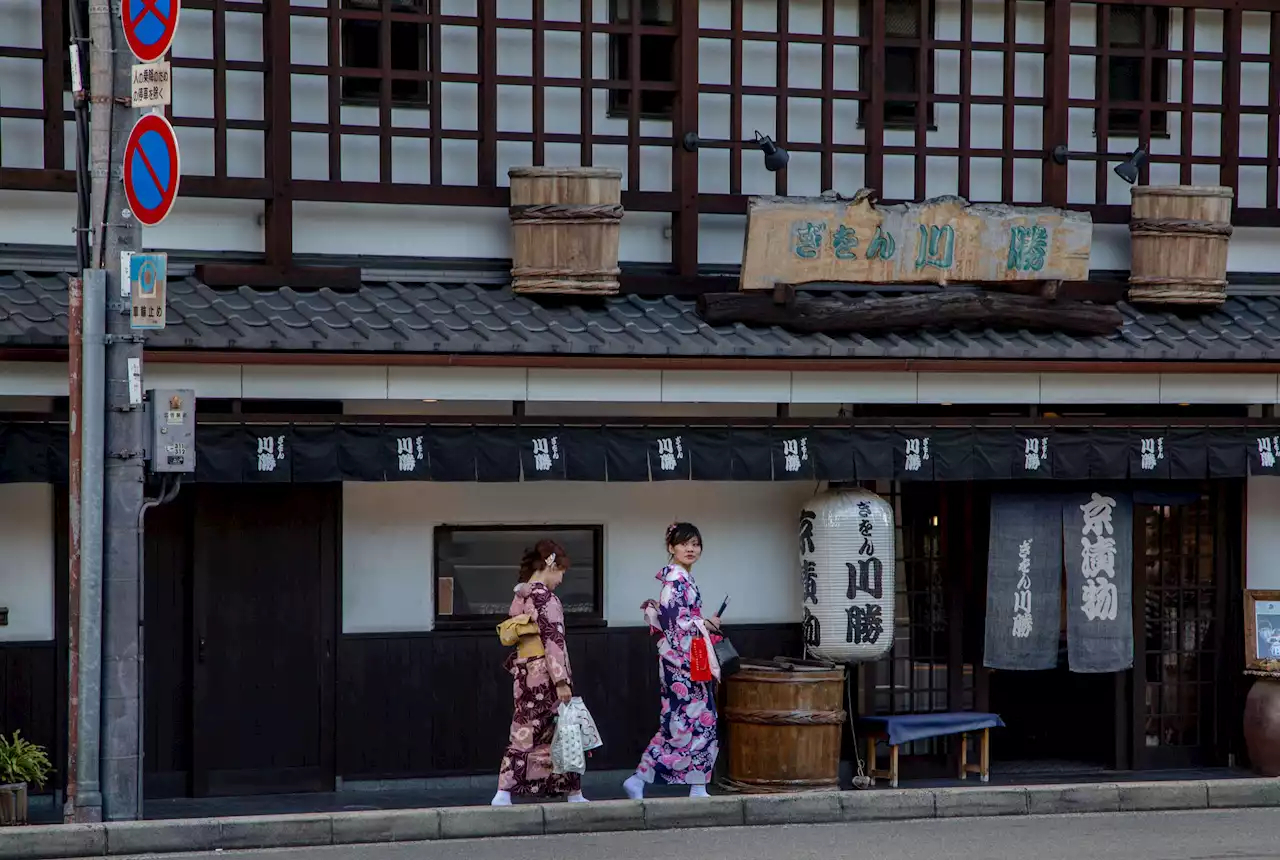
column 526, row 767
column 685, row 747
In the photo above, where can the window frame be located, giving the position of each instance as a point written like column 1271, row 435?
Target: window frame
column 618, row 102
column 595, row 618
column 421, row 100
column 1158, row 41
column 926, row 87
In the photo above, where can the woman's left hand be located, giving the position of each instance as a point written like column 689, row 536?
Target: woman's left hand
column 564, row 691
column 714, row 623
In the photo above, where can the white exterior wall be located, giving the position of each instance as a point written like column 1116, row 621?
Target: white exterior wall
column 201, row 224
column 26, row 562
column 748, row 529
column 1262, row 539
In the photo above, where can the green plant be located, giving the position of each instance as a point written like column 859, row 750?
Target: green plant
column 23, row 761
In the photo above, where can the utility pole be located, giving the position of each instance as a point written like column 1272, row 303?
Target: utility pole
column 117, row 232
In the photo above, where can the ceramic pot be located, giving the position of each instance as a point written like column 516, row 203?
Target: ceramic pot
column 1262, row 726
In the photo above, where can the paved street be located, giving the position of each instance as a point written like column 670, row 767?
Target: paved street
column 1225, row 835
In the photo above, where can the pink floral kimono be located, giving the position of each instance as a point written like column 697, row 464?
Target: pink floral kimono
column 684, row 749
column 526, row 767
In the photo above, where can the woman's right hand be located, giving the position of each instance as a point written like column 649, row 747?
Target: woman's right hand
column 564, row 691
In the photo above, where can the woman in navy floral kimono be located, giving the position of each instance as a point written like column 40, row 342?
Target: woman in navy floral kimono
column 683, row 752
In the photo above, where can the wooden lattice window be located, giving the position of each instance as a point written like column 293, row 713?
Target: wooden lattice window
column 1137, row 31
column 657, row 58
column 362, row 49
column 904, row 81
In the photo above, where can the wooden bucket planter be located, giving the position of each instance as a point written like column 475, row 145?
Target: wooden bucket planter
column 13, row 804
column 565, row 224
column 1179, row 238
column 785, row 726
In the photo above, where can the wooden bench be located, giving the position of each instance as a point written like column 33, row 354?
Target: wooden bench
column 899, row 729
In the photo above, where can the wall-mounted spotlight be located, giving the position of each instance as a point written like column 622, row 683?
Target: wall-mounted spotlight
column 775, row 157
column 1128, row 169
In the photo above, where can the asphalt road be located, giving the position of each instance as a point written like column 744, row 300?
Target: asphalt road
column 1251, row 834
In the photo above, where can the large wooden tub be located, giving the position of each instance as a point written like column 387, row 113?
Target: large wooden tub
column 785, row 724
column 565, row 225
column 1179, row 236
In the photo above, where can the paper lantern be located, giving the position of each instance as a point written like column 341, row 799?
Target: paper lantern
column 847, row 564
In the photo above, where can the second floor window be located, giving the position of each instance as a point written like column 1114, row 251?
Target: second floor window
column 362, row 49
column 902, row 78
column 657, row 58
column 1136, row 34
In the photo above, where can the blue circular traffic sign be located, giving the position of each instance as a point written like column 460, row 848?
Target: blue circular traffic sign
column 149, row 26
column 151, row 169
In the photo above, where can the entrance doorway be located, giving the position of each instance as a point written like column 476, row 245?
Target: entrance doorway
column 241, row 622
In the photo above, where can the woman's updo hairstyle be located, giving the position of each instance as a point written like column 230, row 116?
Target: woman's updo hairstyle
column 537, row 557
column 678, row 533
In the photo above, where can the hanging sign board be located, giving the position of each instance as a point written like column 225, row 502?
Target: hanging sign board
column 1262, row 633
column 806, row 240
column 152, row 85
column 148, row 274
column 151, row 169
column 149, row 27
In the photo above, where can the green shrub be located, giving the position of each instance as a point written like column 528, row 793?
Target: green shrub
column 23, row 761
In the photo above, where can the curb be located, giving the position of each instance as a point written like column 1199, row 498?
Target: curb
column 129, row 838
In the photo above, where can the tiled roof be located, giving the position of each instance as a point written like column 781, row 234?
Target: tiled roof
column 467, row 318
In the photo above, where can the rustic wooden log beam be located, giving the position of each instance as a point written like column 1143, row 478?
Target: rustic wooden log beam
column 964, row 310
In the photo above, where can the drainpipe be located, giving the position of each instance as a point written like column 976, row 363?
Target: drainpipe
column 75, row 306
column 167, row 494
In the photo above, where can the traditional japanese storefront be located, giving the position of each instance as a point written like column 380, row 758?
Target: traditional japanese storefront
column 271, row 497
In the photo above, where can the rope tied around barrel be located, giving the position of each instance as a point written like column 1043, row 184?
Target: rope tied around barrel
column 766, row 717
column 566, row 213
column 1174, row 226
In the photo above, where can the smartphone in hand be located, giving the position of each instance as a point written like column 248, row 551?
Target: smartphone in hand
column 723, row 607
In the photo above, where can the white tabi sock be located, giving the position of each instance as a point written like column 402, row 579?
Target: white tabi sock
column 502, row 798
column 634, row 787
column 578, row 798
column 698, row 791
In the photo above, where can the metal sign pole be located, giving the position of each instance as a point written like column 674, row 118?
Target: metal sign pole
column 117, row 233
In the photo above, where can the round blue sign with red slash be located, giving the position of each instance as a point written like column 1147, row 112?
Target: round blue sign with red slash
column 149, row 27
column 151, row 169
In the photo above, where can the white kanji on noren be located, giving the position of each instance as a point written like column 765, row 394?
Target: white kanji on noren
column 917, row 452
column 670, row 452
column 1099, row 598
column 795, row 452
column 270, row 450
column 1268, row 448
column 1152, row 452
column 408, row 453
column 1022, row 618
column 1035, row 454
column 546, row 450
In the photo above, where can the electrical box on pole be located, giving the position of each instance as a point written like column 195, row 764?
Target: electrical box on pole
column 171, row 430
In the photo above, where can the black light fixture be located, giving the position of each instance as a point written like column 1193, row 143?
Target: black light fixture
column 1128, row 169
column 775, row 157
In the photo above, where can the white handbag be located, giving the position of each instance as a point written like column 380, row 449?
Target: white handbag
column 567, row 752
column 590, row 734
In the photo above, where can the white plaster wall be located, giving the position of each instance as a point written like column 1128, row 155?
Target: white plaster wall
column 432, row 231
column 749, row 530
column 1262, row 540
column 26, row 561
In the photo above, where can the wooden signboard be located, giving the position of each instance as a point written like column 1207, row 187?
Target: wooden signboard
column 806, row 240
column 1262, row 633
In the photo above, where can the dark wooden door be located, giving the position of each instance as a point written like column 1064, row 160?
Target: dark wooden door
column 1179, row 628
column 264, row 612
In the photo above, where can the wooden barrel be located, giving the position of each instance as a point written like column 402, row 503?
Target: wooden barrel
column 785, row 724
column 1180, row 236
column 565, row 223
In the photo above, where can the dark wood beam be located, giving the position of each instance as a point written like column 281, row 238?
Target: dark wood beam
column 965, row 310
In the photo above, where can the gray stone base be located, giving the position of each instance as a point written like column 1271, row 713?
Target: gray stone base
column 733, row 810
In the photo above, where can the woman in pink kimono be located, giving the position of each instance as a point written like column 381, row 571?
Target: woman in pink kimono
column 683, row 752
column 543, row 679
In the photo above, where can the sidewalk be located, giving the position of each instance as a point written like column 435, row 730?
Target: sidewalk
column 411, row 825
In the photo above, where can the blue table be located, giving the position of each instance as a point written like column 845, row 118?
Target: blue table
column 904, row 728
